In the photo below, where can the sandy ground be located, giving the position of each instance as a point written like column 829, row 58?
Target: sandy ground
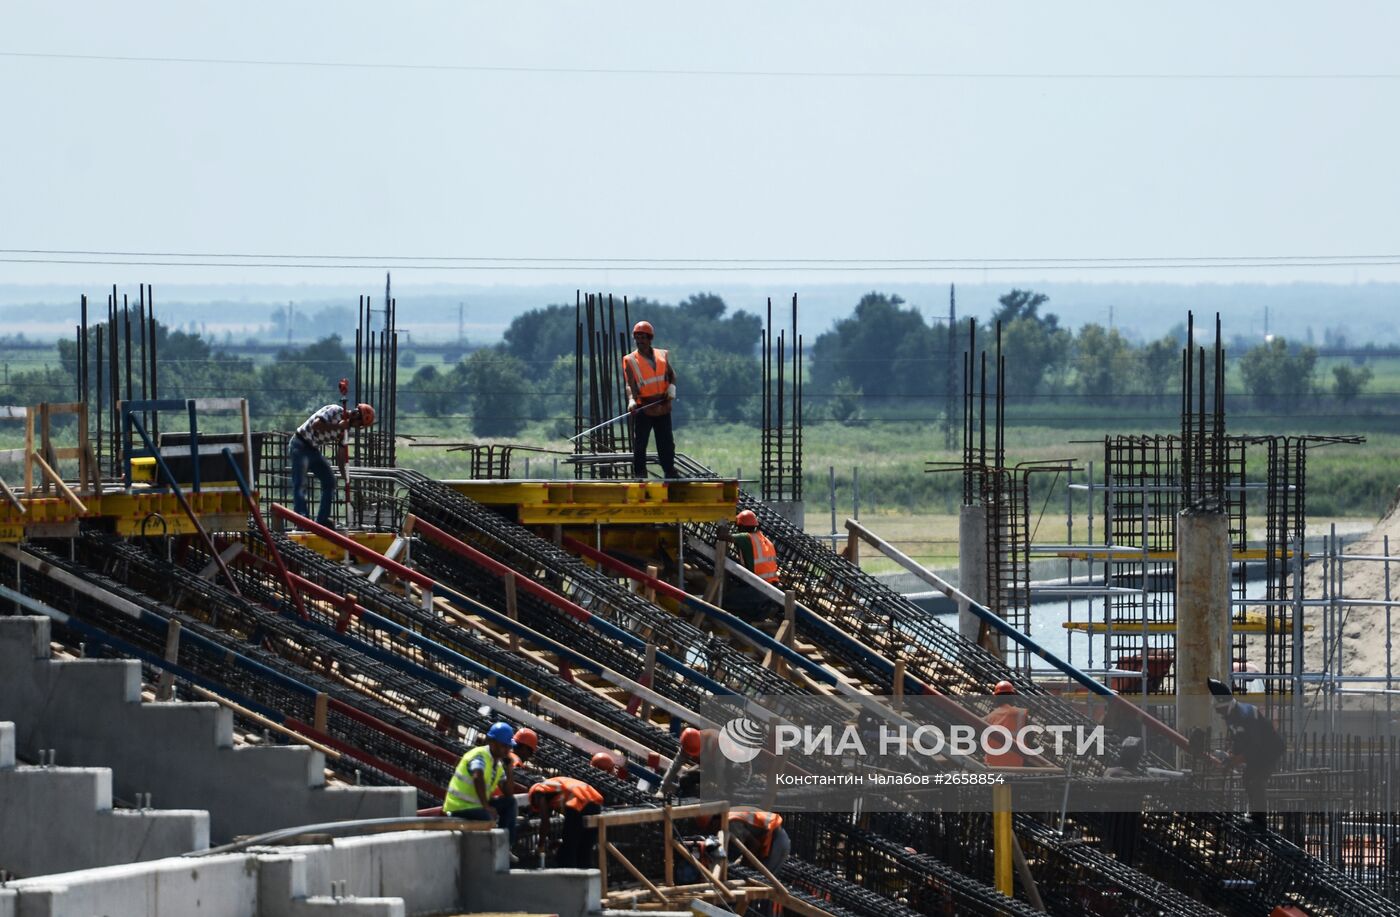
column 1364, row 638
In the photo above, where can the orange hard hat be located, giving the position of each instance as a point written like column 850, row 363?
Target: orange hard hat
column 1004, row 687
column 643, row 328
column 366, row 414
column 527, row 738
column 746, row 519
column 604, row 762
column 691, row 741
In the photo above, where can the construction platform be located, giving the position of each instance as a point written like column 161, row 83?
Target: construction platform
column 133, row 512
column 613, row 502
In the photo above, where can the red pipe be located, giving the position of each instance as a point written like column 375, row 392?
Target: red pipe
column 354, row 547
column 461, row 549
column 407, row 738
column 346, row 748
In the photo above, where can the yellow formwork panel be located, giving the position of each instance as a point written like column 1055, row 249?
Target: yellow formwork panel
column 586, row 502
column 1255, row 623
column 378, row 542
column 218, row 510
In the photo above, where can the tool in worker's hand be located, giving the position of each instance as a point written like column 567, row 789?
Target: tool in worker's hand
column 623, row 416
column 344, row 455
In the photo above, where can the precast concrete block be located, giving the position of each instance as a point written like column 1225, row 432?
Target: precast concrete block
column 9, row 903
column 23, row 638
column 348, row 907
column 419, row 867
column 133, row 835
column 487, row 880
column 352, row 803
column 7, row 746
column 222, row 886
column 61, row 819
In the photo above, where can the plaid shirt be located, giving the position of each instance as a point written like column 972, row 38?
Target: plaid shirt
column 332, row 415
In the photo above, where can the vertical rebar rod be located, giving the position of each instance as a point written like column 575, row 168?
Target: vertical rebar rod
column 126, row 332
column 155, row 363
column 98, row 408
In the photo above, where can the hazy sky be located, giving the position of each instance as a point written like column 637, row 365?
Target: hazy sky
column 723, row 130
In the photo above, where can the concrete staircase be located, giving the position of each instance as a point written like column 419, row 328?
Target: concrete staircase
column 90, row 713
column 387, row 875
column 56, row 819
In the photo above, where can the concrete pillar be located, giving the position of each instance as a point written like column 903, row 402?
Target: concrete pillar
column 791, row 510
column 972, row 565
column 1202, row 614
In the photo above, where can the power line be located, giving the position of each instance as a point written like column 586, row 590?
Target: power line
column 701, row 72
column 721, row 266
column 508, row 259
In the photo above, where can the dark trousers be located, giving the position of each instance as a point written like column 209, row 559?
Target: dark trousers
column 1256, row 785
column 642, row 428
column 505, row 807
column 576, row 842
column 304, row 458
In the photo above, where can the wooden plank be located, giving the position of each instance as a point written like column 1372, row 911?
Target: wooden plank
column 62, row 488
column 10, row 496
column 228, row 554
column 636, row 873
column 165, row 690
column 620, row 817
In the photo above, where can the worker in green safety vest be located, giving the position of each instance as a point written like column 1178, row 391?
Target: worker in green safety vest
column 479, row 773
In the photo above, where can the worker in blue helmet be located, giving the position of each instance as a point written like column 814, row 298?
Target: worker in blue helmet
column 483, row 769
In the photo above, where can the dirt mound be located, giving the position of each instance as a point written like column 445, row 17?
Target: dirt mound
column 1364, row 638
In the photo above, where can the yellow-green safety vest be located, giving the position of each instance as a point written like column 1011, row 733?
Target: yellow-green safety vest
column 461, row 794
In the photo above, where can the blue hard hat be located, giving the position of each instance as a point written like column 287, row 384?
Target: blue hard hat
column 503, row 733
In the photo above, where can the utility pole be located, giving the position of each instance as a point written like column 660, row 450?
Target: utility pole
column 950, row 376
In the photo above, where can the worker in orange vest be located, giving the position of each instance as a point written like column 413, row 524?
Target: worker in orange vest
column 527, row 742
column 651, row 387
column 576, row 800
column 759, row 831
column 1013, row 718
column 756, row 553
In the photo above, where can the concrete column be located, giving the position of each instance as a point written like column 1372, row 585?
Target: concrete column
column 972, row 565
column 1202, row 614
column 792, row 510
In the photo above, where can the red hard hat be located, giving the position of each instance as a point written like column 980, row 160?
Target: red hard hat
column 1004, row 687
column 746, row 518
column 527, row 738
column 366, row 414
column 604, row 762
column 643, row 328
column 691, row 741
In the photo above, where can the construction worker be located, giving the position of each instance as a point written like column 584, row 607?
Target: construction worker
column 651, row 387
column 614, row 763
column 527, row 742
column 756, row 553
column 577, row 800
column 1010, row 716
column 1122, row 828
column 1253, row 742
column 326, row 426
column 694, row 742
column 759, row 831
column 480, row 773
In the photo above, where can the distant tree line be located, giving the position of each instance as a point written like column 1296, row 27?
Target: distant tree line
column 883, row 353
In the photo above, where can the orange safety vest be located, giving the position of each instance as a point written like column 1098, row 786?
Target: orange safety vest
column 765, row 557
column 766, row 823
column 651, row 384
column 1015, row 719
column 577, row 794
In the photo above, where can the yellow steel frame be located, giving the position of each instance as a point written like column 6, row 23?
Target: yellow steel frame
column 586, row 502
